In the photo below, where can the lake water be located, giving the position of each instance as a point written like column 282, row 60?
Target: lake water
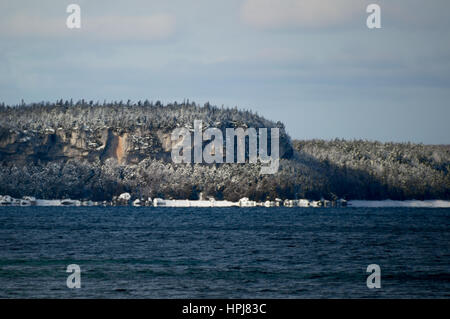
column 126, row 252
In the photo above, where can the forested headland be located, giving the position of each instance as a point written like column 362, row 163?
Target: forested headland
column 91, row 150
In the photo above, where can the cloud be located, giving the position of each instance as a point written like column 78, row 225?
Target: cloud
column 282, row 14
column 418, row 14
column 154, row 27
column 22, row 25
column 322, row 14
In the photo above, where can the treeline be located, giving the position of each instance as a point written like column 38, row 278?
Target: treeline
column 383, row 170
column 90, row 114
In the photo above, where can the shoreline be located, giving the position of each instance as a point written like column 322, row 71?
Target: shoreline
column 124, row 200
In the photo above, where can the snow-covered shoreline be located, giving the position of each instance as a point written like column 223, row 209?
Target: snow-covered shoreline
column 400, row 203
column 125, row 200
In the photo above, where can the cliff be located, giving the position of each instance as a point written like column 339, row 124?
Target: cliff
column 128, row 134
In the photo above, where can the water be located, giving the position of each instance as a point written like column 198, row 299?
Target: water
column 224, row 253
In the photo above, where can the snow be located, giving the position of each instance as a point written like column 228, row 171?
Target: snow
column 158, row 202
column 303, row 203
column 137, row 202
column 398, row 203
column 6, row 200
column 48, row 202
column 245, row 202
column 125, row 196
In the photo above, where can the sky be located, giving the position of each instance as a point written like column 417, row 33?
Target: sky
column 312, row 64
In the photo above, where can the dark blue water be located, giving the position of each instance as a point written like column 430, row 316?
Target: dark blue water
column 224, row 253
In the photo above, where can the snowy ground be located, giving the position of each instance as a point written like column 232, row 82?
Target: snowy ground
column 244, row 202
column 48, row 202
column 399, row 203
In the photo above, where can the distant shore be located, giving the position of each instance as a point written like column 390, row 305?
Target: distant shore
column 125, row 200
column 83, row 150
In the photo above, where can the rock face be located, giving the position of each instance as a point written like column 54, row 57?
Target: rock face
column 99, row 144
column 127, row 146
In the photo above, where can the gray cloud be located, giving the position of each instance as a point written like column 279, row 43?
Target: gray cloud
column 321, row 14
column 279, row 14
column 110, row 27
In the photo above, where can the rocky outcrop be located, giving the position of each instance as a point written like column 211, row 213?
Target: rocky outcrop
column 100, row 144
column 127, row 146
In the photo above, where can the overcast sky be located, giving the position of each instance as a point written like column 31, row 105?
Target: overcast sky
column 312, row 64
